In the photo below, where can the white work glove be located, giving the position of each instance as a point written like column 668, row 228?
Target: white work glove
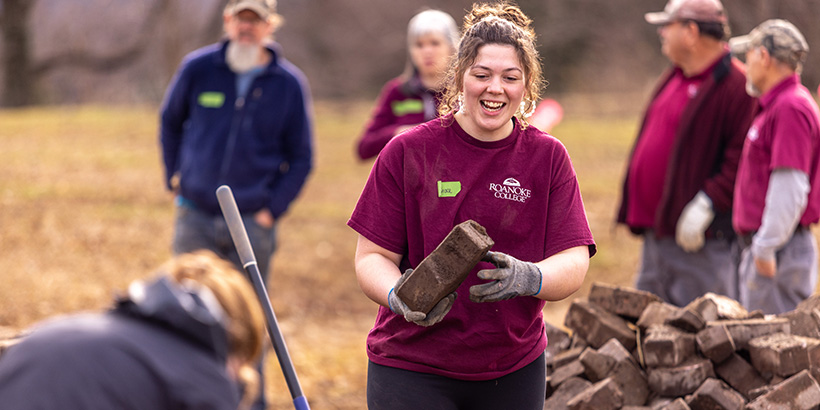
column 690, row 234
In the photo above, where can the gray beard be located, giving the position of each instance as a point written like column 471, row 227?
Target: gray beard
column 242, row 58
column 752, row 90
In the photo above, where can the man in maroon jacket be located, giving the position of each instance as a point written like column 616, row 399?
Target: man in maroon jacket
column 678, row 188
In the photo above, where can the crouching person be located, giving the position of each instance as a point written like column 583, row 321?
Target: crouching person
column 187, row 338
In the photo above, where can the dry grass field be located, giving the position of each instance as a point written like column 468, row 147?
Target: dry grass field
column 83, row 211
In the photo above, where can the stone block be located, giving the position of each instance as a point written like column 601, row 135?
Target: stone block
column 557, row 340
column 597, row 366
column 577, row 342
column 603, row 395
column 680, row 380
column 655, row 313
column 798, row 392
column 715, row 343
column 677, row 404
column 706, row 308
column 623, row 301
column 727, row 308
column 667, row 346
column 443, row 270
column 688, row 320
column 715, row 394
column 809, row 304
column 565, row 372
column 565, row 357
column 597, row 326
column 626, row 373
column 743, row 331
column 739, row 374
column 784, row 354
column 567, row 390
column 802, row 323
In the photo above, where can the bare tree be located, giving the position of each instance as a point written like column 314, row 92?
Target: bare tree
column 18, row 80
column 22, row 73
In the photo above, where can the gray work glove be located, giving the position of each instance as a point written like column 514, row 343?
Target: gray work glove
column 510, row 279
column 690, row 232
column 400, row 308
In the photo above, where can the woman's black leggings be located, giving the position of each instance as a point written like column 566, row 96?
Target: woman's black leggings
column 389, row 388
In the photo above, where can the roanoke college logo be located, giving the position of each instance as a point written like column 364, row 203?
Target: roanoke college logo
column 511, row 190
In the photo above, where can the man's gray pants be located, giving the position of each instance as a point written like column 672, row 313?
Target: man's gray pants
column 794, row 281
column 679, row 277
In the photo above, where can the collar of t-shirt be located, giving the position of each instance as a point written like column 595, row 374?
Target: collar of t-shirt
column 244, row 80
column 769, row 97
column 510, row 139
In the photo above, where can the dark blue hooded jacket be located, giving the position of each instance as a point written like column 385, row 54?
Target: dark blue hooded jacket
column 162, row 351
column 260, row 144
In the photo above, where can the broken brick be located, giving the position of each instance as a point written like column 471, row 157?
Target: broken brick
column 622, row 301
column 715, row 394
column 597, row 326
column 783, row 354
column 565, row 372
column 743, row 331
column 667, row 346
column 655, row 314
column 800, row 391
column 680, row 380
column 715, row 343
column 677, row 404
column 727, row 308
column 565, row 357
column 802, row 323
column 739, row 374
column 626, row 373
column 567, row 390
column 604, row 395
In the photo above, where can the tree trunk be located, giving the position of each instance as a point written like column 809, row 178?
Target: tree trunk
column 18, row 80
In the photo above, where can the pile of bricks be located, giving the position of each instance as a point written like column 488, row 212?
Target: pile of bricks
column 629, row 350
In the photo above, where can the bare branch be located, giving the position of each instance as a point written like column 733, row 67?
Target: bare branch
column 120, row 58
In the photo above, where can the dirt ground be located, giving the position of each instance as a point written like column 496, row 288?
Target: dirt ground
column 83, row 212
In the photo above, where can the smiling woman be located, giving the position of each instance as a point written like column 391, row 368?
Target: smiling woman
column 514, row 180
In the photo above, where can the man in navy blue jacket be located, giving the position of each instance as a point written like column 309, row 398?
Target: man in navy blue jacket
column 236, row 113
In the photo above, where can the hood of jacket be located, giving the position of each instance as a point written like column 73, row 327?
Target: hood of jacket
column 190, row 310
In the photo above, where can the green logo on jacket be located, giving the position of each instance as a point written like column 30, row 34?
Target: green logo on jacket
column 407, row 107
column 448, row 189
column 211, row 99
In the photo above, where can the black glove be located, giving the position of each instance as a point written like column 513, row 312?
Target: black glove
column 436, row 314
column 510, row 279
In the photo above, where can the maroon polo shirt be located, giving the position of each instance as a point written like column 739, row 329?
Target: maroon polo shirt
column 785, row 134
column 651, row 158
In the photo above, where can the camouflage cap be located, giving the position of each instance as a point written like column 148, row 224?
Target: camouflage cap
column 782, row 39
column 264, row 8
column 704, row 11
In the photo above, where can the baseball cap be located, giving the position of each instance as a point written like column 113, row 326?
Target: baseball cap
column 783, row 40
column 264, row 8
column 704, row 11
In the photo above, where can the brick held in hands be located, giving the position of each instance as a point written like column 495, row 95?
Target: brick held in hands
column 443, row 270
